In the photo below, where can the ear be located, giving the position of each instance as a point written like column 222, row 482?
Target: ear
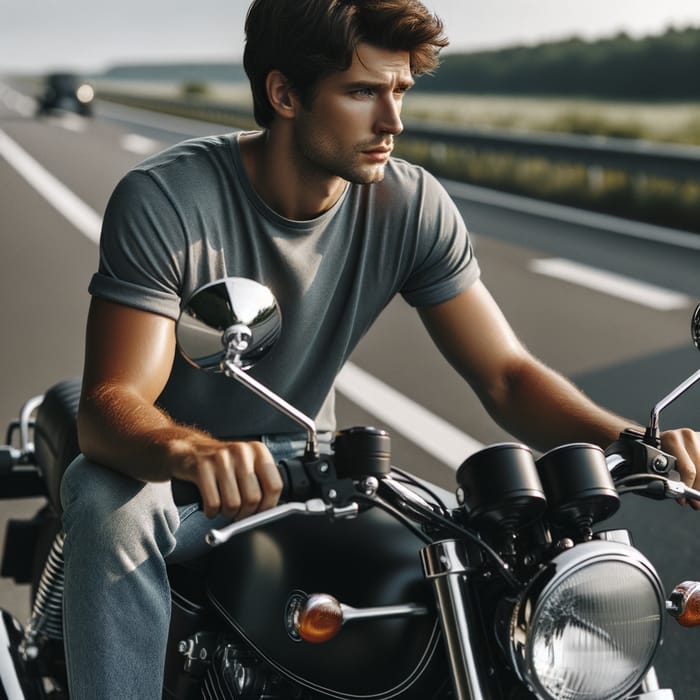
column 282, row 96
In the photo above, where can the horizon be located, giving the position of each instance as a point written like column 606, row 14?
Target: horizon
column 76, row 34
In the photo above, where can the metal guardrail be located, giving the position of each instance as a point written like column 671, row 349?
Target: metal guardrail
column 195, row 108
column 636, row 157
column 633, row 156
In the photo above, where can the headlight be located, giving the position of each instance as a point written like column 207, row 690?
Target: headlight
column 589, row 624
column 85, row 93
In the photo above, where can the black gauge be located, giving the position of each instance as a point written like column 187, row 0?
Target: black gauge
column 695, row 327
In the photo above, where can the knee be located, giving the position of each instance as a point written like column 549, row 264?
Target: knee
column 104, row 504
column 90, row 490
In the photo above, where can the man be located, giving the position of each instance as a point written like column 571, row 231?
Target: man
column 314, row 206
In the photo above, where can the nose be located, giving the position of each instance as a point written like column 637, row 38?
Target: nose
column 389, row 116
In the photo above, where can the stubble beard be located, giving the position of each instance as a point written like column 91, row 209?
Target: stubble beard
column 323, row 158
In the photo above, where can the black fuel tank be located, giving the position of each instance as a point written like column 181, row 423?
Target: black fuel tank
column 368, row 561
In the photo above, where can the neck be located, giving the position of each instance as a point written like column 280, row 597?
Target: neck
column 279, row 178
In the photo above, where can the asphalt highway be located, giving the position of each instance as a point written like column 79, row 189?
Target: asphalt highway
column 607, row 303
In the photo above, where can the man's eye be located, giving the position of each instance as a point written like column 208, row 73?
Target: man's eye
column 364, row 92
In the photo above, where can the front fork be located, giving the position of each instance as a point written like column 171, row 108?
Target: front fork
column 446, row 565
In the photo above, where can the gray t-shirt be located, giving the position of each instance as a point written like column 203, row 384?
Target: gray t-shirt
column 189, row 215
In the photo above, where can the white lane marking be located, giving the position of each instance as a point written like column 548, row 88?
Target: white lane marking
column 14, row 100
column 85, row 219
column 610, row 283
column 430, row 432
column 72, row 122
column 134, row 143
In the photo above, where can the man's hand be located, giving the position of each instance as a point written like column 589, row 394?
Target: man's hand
column 684, row 445
column 235, row 479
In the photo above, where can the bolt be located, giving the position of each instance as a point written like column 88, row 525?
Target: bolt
column 31, row 652
column 332, row 494
column 659, row 464
column 370, row 485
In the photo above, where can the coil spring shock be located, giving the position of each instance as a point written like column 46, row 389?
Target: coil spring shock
column 46, row 621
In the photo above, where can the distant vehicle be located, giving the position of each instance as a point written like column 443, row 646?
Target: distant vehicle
column 66, row 92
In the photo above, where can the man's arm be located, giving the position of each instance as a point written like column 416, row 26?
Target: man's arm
column 528, row 399
column 128, row 357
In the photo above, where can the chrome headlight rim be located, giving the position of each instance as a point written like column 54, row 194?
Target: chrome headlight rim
column 530, row 603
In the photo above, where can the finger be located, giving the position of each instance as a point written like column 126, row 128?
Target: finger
column 241, row 480
column 227, row 483
column 206, row 482
column 685, row 447
column 251, row 493
column 268, row 476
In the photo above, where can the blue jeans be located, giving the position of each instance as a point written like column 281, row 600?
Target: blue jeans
column 116, row 609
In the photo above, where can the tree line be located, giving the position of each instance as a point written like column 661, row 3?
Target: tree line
column 663, row 67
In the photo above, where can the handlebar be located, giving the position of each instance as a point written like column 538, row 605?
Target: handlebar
column 638, row 465
column 312, row 486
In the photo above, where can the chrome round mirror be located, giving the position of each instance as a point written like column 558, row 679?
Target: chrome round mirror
column 695, row 327
column 230, row 318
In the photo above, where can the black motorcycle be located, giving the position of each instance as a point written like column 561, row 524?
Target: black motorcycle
column 365, row 582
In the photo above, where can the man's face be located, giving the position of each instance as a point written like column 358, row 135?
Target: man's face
column 349, row 130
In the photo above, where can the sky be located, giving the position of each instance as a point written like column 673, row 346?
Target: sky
column 89, row 36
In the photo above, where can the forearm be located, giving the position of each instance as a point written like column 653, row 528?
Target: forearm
column 120, row 430
column 543, row 409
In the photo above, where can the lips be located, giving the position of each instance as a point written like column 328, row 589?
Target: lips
column 378, row 154
column 379, row 150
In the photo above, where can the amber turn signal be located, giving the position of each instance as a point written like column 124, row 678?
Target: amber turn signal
column 319, row 618
column 684, row 603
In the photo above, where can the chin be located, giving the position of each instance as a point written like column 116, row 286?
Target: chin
column 368, row 177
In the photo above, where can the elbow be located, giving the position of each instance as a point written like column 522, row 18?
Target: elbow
column 499, row 392
column 86, row 442
column 91, row 423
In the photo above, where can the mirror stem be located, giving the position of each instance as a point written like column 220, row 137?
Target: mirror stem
column 653, row 429
column 232, row 370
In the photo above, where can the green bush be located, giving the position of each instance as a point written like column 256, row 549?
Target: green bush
column 194, row 88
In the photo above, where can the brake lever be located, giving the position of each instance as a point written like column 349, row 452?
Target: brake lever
column 314, row 506
column 677, row 490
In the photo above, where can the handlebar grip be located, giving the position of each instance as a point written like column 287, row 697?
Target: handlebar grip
column 296, row 485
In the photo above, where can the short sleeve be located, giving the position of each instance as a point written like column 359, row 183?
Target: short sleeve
column 444, row 264
column 142, row 248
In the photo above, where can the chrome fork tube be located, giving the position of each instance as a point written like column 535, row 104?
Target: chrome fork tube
column 446, row 565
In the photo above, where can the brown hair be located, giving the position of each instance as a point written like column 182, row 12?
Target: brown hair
column 308, row 39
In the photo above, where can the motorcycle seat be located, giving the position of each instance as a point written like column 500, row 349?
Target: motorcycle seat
column 56, row 435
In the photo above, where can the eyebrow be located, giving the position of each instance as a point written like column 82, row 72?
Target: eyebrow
column 369, row 83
